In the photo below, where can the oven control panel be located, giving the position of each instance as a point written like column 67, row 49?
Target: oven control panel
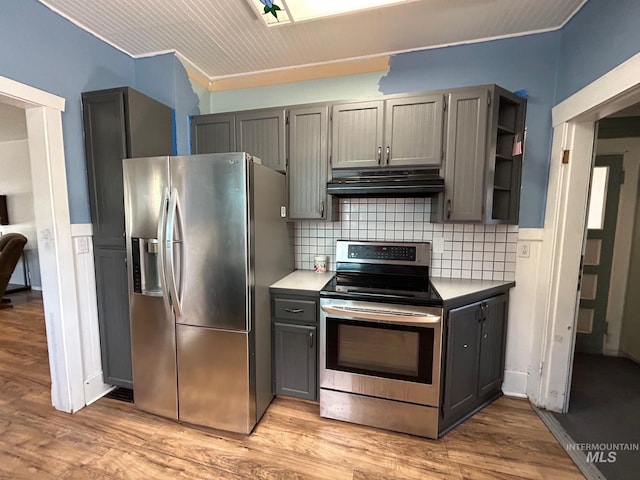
column 382, row 252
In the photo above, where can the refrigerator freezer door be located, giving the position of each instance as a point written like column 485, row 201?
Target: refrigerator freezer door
column 212, row 248
column 214, row 388
column 146, row 184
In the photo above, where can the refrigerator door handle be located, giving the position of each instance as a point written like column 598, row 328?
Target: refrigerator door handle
column 174, row 213
column 162, row 254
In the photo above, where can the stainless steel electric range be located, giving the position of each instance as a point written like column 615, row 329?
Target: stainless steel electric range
column 381, row 338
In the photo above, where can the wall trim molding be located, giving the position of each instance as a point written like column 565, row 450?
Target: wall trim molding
column 81, row 230
column 608, row 94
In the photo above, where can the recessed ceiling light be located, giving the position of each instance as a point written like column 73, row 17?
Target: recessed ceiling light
column 301, row 10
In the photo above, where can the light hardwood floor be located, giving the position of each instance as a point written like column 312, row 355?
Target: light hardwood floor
column 112, row 440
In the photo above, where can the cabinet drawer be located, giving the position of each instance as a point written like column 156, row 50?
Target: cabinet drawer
column 301, row 310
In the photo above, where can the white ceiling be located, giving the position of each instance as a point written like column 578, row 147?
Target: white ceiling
column 225, row 38
column 13, row 125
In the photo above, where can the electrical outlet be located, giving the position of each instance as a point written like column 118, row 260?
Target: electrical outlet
column 523, row 249
column 438, row 245
column 283, row 211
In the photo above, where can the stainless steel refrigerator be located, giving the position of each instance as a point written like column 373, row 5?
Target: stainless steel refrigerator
column 205, row 239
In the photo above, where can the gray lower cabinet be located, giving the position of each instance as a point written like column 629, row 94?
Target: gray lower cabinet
column 295, row 345
column 474, row 358
column 295, row 360
column 118, row 123
column 113, row 315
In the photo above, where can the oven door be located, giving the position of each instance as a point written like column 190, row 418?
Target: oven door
column 381, row 350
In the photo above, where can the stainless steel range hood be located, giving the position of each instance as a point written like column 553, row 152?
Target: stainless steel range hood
column 386, row 183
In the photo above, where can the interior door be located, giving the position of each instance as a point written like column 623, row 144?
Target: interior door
column 596, row 273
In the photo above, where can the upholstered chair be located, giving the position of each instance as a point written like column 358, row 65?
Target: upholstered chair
column 11, row 247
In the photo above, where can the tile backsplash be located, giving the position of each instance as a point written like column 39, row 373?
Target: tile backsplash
column 485, row 252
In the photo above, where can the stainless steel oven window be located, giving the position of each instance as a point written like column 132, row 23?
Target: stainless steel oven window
column 398, row 352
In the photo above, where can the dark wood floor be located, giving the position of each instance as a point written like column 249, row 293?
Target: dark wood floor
column 112, row 440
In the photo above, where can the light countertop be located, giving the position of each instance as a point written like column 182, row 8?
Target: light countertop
column 451, row 288
column 307, row 280
column 448, row 288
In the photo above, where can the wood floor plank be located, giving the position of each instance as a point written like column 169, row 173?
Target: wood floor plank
column 112, row 440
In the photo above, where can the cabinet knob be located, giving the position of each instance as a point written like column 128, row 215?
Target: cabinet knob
column 294, row 310
column 448, row 208
column 379, row 155
column 310, row 339
column 465, row 346
column 388, row 153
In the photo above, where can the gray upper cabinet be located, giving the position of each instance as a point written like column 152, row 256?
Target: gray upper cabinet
column 262, row 133
column 466, row 148
column 308, row 163
column 215, row 133
column 483, row 156
column 413, row 131
column 357, row 134
column 401, row 131
column 119, row 123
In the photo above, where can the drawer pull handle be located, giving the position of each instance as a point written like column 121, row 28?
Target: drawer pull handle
column 294, row 310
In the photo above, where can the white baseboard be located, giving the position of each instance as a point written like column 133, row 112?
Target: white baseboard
column 95, row 388
column 515, row 384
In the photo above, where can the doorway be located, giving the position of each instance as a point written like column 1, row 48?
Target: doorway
column 51, row 211
column 605, row 383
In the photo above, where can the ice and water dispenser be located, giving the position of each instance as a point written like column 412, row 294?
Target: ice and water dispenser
column 146, row 266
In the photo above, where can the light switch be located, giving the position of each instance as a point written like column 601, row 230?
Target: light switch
column 82, row 246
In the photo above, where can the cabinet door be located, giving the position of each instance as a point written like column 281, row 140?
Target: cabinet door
column 465, row 157
column 213, row 134
column 295, row 360
column 105, row 146
column 357, row 134
column 262, row 134
column 461, row 372
column 308, row 162
column 113, row 316
column 413, row 131
column 492, row 345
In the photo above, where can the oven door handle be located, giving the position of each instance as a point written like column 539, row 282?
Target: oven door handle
column 380, row 315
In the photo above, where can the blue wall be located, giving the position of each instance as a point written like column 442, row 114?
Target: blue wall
column 517, row 63
column 164, row 78
column 44, row 50
column 601, row 36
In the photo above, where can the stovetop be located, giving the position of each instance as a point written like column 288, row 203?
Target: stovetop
column 381, row 288
column 392, row 272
